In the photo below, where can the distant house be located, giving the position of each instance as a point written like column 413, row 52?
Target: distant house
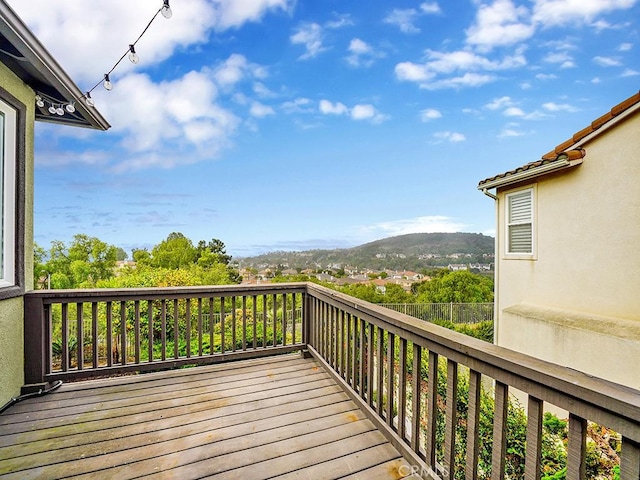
column 31, row 82
column 568, row 250
column 457, row 267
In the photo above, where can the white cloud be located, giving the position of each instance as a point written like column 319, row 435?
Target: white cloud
column 311, row 36
column 430, row 8
column 361, row 53
column 607, row 61
column 628, row 72
column 235, row 69
column 453, row 137
column 564, row 12
column 498, row 103
column 562, row 58
column 363, row 112
column 625, row 47
column 298, row 105
column 595, row 80
column 260, row 110
column 328, row 108
column 546, row 76
column 95, row 38
column 510, row 130
column 429, row 114
column 413, row 72
column 233, row 14
column 426, row 224
column 466, row 80
column 500, row 24
column 555, row 107
column 404, row 19
column 513, row 112
column 447, row 63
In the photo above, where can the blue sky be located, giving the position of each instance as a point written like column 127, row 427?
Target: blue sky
column 292, row 125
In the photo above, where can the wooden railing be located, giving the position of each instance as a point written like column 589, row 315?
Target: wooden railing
column 447, row 312
column 88, row 333
column 410, row 377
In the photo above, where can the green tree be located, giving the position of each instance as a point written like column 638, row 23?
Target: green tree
column 174, row 252
column 458, row 287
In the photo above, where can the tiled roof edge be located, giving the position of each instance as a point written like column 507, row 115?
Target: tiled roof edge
column 595, row 125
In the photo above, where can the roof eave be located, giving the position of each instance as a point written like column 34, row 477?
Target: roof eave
column 37, row 55
column 555, row 166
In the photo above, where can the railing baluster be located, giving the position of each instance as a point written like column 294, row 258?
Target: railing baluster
column 432, row 409
column 284, row 319
column 200, row 331
column 370, row 364
column 274, row 321
column 233, row 323
column 244, row 322
column 123, row 333
column 533, row 452
column 629, row 460
column 212, row 322
column 294, row 318
column 109, row 334
column 577, row 448
column 402, row 388
column 79, row 336
column 163, row 329
column 451, row 419
column 64, row 361
column 254, row 316
column 150, row 330
column 473, row 422
column 380, row 370
column 362, row 364
column 343, row 339
column 187, row 320
column 136, row 326
column 391, row 343
column 94, row 334
column 415, row 398
column 223, row 332
column 176, row 329
column 264, row 321
column 354, row 354
column 499, row 449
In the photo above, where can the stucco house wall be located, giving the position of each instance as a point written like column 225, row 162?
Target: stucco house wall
column 12, row 309
column 576, row 302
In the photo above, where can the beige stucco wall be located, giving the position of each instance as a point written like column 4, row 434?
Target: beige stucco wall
column 577, row 302
column 11, row 310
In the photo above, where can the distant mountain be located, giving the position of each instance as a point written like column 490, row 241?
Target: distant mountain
column 414, row 251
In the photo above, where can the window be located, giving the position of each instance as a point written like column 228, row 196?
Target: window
column 12, row 195
column 520, row 222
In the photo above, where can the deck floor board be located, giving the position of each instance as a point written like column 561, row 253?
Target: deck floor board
column 278, row 417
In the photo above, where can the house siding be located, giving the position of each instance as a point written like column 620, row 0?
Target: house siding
column 586, row 269
column 12, row 309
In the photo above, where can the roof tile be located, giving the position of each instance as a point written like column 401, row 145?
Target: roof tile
column 566, row 145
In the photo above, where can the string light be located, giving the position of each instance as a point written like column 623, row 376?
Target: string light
column 107, row 82
column 56, row 108
column 133, row 56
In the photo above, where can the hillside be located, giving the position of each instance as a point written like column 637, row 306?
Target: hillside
column 414, row 251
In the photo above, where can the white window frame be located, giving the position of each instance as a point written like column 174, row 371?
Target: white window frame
column 8, row 165
column 531, row 220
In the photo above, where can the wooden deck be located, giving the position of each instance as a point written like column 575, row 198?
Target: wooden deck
column 280, row 417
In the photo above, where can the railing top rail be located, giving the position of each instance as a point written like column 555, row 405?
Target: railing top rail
column 560, row 385
column 156, row 293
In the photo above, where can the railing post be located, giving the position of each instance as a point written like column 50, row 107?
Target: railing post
column 306, row 322
column 35, row 343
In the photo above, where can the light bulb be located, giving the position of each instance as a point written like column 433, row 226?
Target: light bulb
column 70, row 107
column 107, row 82
column 133, row 56
column 166, row 10
column 39, row 101
column 90, row 101
column 60, row 110
column 52, row 110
